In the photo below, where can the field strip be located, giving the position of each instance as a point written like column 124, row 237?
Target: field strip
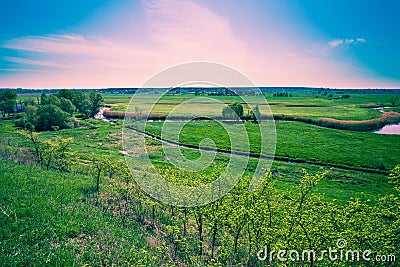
column 252, row 155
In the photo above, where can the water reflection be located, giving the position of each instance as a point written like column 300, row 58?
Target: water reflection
column 390, row 129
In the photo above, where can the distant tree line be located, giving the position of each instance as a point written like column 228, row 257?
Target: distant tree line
column 214, row 91
column 56, row 111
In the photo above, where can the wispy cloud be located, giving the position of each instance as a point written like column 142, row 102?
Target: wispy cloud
column 342, row 42
column 25, row 61
column 178, row 31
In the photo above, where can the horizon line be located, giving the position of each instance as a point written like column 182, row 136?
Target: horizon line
column 205, row 87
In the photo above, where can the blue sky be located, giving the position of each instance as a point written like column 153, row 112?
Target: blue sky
column 376, row 21
column 121, row 43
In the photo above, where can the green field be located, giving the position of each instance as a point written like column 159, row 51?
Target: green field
column 298, row 105
column 296, row 140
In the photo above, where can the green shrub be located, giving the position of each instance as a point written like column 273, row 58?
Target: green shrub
column 49, row 116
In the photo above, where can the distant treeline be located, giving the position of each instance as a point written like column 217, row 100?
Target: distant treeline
column 219, row 90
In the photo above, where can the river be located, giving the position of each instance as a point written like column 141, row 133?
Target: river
column 100, row 115
column 389, row 129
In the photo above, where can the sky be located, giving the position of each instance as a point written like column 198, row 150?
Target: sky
column 122, row 43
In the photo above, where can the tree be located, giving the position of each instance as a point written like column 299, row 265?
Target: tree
column 27, row 119
column 28, row 102
column 49, row 100
column 7, row 94
column 85, row 107
column 37, row 142
column 229, row 111
column 8, row 100
column 65, row 93
column 78, row 100
column 50, row 117
column 48, row 152
column 255, row 114
column 46, row 117
column 82, row 103
column 54, row 154
column 99, row 166
column 43, row 99
column 96, row 102
column 67, row 106
column 238, row 108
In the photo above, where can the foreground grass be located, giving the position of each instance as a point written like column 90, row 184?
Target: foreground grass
column 50, row 218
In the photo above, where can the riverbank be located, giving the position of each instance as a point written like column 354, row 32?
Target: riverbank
column 386, row 118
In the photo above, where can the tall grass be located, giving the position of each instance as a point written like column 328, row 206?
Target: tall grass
column 364, row 125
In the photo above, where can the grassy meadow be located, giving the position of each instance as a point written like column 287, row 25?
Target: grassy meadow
column 301, row 141
column 299, row 105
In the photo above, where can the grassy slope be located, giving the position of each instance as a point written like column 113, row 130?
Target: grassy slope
column 47, row 218
column 50, row 218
